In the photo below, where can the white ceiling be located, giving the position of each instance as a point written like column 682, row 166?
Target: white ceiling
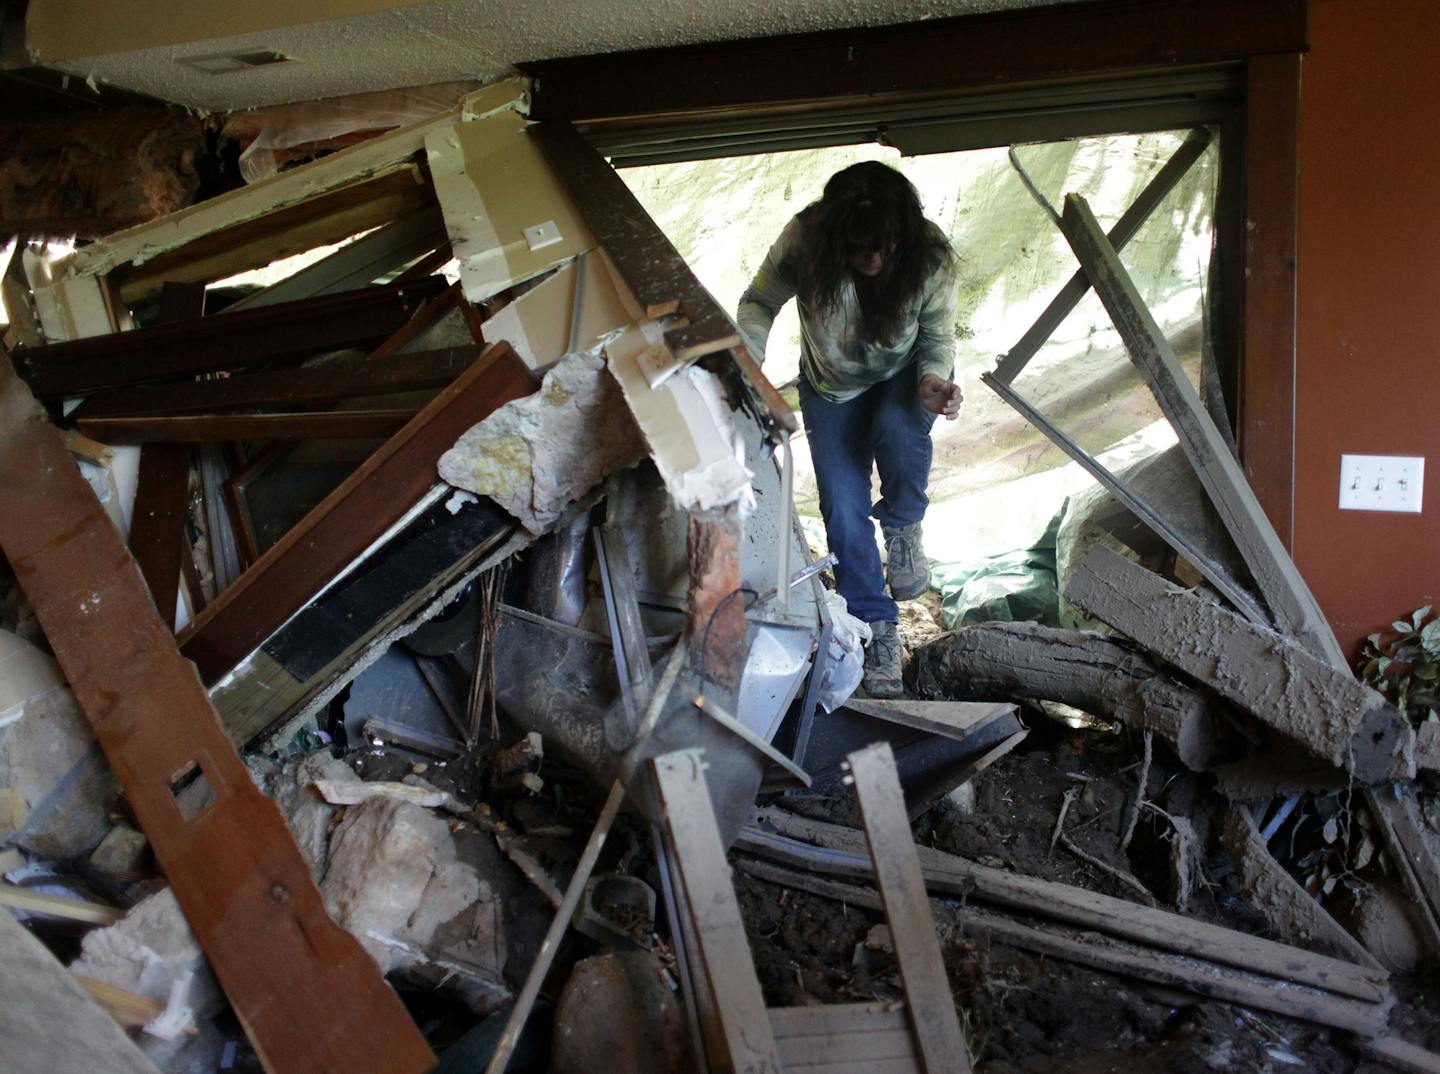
column 446, row 40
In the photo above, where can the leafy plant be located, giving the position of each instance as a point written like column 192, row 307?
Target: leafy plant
column 1406, row 667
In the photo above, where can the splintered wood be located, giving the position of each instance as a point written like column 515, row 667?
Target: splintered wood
column 308, row 995
column 907, row 907
column 1326, row 711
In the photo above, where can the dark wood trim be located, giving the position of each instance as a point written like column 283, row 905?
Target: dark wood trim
column 351, row 518
column 1269, row 316
column 245, row 889
column 345, row 378
column 157, row 522
column 207, row 428
column 286, row 331
column 991, row 51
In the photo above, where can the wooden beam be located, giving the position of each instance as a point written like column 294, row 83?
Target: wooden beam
column 689, row 820
column 289, row 331
column 657, row 275
column 209, row 428
column 326, row 218
column 1013, row 361
column 1323, row 710
column 157, row 522
column 351, row 518
column 1267, row 390
column 327, row 382
column 1279, row 582
column 948, row 875
column 243, row 884
column 1199, row 974
column 928, row 999
column 976, row 52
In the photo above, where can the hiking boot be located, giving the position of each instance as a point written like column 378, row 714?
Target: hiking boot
column 907, row 571
column 882, row 662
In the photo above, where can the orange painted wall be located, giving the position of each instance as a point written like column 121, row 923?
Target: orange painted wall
column 1368, row 363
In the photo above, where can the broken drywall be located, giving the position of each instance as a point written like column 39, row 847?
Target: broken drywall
column 535, row 456
column 543, row 324
column 507, row 216
column 394, row 882
column 151, row 951
column 686, row 422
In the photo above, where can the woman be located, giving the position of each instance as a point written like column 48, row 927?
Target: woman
column 874, row 281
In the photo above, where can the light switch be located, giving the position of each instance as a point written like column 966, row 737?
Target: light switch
column 542, row 235
column 1381, row 483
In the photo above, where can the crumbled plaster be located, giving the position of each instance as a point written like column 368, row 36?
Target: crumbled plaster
column 534, row 456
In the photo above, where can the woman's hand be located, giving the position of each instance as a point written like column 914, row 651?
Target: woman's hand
column 940, row 396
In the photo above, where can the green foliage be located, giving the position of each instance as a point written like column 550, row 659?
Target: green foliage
column 1403, row 663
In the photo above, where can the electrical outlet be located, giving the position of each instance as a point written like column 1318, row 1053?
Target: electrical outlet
column 1381, row 483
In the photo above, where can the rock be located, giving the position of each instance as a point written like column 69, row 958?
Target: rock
column 151, row 950
column 618, row 1014
column 1384, row 921
column 55, row 787
column 122, row 858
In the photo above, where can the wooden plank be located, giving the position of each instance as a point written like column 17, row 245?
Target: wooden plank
column 818, row 1038
column 1001, row 50
column 209, row 428
column 953, row 719
column 1286, row 593
column 658, row 277
column 947, row 874
column 1327, row 712
column 289, row 331
column 648, row 262
column 38, row 902
column 327, row 382
column 1202, row 976
column 1013, row 361
column 1267, row 369
column 689, row 819
column 243, row 884
column 157, row 522
column 130, row 1009
column 351, row 518
column 789, row 1023
column 325, row 218
column 359, row 263
column 928, row 1000
column 1177, row 539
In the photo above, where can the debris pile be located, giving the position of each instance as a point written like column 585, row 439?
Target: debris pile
column 438, row 664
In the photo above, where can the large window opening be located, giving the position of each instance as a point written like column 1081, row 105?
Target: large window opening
column 1000, row 490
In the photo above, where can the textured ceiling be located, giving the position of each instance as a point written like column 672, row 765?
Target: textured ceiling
column 445, row 40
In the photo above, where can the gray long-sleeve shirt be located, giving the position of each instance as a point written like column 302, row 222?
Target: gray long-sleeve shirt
column 834, row 356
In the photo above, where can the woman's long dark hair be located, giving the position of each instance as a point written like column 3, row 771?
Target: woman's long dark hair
column 868, row 207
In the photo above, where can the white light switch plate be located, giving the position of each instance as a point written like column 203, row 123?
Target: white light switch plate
column 1381, row 483
column 542, row 235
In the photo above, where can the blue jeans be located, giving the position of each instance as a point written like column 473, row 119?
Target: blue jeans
column 884, row 428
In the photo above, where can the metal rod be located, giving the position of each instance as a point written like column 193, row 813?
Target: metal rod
column 787, row 487
column 1231, row 590
column 1014, row 360
column 521, row 1011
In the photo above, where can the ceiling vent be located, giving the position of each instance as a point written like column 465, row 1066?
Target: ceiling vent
column 224, row 62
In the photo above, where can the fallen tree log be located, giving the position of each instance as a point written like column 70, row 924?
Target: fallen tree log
column 1102, row 675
